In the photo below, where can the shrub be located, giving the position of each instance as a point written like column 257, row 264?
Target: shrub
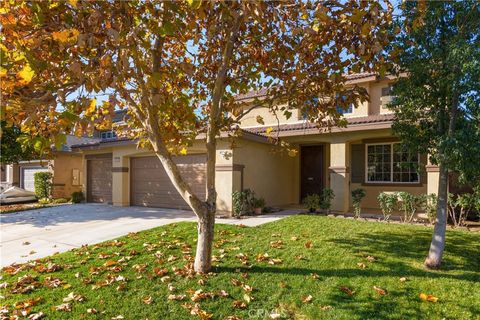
column 60, row 200
column 311, row 202
column 242, row 202
column 44, row 201
column 78, row 197
column 258, row 202
column 409, row 204
column 431, row 207
column 43, row 184
column 459, row 207
column 388, row 203
column 357, row 196
column 326, row 199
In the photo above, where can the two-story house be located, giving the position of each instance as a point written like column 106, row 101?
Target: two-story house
column 364, row 154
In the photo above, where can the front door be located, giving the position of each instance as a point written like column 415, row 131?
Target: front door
column 311, row 167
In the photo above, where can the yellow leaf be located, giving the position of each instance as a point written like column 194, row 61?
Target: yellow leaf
column 183, row 151
column 68, row 35
column 26, row 74
column 73, row 3
column 269, row 130
column 93, row 105
column 428, row 297
column 3, row 72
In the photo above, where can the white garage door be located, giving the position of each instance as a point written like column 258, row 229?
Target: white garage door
column 28, row 177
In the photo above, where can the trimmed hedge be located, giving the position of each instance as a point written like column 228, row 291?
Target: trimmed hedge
column 43, row 184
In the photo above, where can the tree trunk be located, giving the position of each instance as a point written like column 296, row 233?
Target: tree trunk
column 434, row 258
column 203, row 256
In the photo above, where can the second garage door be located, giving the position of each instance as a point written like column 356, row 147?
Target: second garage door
column 28, row 177
column 99, row 180
column 151, row 187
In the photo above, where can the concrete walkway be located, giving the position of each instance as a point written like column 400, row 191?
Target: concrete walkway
column 39, row 233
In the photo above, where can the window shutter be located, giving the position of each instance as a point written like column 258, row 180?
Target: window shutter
column 358, row 163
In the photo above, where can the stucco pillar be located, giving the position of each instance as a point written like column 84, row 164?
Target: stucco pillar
column 224, row 178
column 433, row 174
column 340, row 176
column 120, row 180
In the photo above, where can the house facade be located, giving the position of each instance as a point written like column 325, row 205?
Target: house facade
column 364, row 154
column 65, row 166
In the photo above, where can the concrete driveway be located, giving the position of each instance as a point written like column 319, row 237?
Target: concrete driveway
column 39, row 233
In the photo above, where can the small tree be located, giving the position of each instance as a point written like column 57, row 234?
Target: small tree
column 357, row 197
column 43, row 184
column 437, row 107
column 326, row 201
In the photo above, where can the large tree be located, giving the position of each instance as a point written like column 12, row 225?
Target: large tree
column 437, row 100
column 177, row 67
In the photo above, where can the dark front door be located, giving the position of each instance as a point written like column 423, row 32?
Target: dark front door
column 311, row 168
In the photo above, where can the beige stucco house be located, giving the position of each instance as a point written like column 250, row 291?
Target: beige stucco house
column 364, row 154
column 65, row 165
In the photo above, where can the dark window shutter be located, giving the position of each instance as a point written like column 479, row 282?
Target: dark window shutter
column 358, row 163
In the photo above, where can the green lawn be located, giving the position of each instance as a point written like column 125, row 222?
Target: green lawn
column 125, row 278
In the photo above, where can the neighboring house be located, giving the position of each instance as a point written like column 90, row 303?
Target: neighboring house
column 363, row 155
column 66, row 167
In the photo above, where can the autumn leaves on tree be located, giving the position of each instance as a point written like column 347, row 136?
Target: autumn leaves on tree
column 177, row 67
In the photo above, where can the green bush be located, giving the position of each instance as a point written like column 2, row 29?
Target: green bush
column 44, row 201
column 258, row 202
column 311, row 202
column 409, row 204
column 43, row 184
column 78, row 197
column 60, row 200
column 388, row 203
column 431, row 207
column 357, row 196
column 242, row 202
column 326, row 199
column 460, row 206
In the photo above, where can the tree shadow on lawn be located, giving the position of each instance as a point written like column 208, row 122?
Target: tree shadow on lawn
column 461, row 251
column 403, row 271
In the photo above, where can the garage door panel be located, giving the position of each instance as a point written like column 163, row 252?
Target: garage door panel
column 99, row 188
column 151, row 186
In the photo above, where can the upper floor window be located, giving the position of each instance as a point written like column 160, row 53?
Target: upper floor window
column 391, row 163
column 108, row 134
column 342, row 110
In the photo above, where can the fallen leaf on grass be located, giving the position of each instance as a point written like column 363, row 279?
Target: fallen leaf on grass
column 307, row 299
column 119, row 317
column 64, row 307
column 92, row 310
column 109, row 263
column 325, row 308
column 380, row 291
column 428, row 297
column 403, row 279
column 347, row 290
column 147, row 300
column 36, row 316
column 294, row 238
column 233, row 318
column 361, row 265
column 308, row 244
column 238, row 304
column 275, row 261
column 315, row 276
column 74, row 297
column 176, row 297
column 370, row 258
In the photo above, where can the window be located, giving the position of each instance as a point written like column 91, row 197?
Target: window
column 390, row 163
column 108, row 135
column 342, row 110
column 345, row 111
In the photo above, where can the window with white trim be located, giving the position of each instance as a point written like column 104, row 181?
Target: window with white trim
column 391, row 163
column 108, row 134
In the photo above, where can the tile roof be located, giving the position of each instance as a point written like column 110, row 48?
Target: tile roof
column 301, row 127
column 262, row 92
